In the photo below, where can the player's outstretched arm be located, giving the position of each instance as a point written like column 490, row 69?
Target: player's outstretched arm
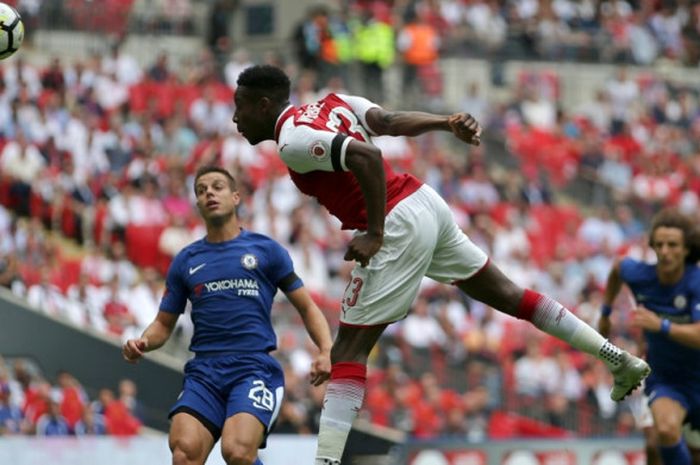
column 153, row 337
column 413, row 123
column 612, row 289
column 317, row 327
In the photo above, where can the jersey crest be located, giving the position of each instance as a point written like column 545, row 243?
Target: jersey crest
column 249, row 261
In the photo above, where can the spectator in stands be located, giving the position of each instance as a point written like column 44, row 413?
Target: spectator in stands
column 52, row 78
column 421, row 332
column 419, row 44
column 536, row 374
column 22, row 162
column 120, row 267
column 90, row 423
column 46, row 296
column 115, row 311
column 128, row 396
column 208, row 114
column 73, row 398
column 160, row 71
column 11, row 418
column 118, row 419
column 86, row 301
column 374, row 45
column 240, row 60
column 9, row 271
column 52, row 423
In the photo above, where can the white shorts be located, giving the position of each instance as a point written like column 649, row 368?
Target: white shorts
column 421, row 239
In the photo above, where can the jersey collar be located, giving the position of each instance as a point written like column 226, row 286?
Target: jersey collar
column 284, row 116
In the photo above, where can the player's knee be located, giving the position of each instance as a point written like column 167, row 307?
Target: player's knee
column 236, row 453
column 185, row 452
column 668, row 433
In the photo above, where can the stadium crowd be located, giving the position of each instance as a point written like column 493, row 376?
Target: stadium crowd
column 96, row 165
column 30, row 404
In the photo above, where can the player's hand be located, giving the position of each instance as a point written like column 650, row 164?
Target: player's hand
column 320, row 369
column 604, row 326
column 646, row 319
column 133, row 349
column 465, row 127
column 363, row 247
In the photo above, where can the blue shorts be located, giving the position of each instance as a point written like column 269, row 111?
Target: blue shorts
column 686, row 395
column 219, row 386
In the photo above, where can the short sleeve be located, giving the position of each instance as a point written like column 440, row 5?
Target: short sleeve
column 306, row 149
column 176, row 292
column 360, row 106
column 627, row 266
column 695, row 297
column 282, row 269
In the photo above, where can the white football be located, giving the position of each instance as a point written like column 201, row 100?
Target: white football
column 11, row 31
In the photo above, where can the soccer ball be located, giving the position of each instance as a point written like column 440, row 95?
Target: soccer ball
column 11, row 31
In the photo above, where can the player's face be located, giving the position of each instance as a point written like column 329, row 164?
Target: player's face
column 250, row 115
column 215, row 200
column 670, row 249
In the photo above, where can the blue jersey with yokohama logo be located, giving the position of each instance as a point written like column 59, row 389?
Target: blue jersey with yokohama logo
column 231, row 286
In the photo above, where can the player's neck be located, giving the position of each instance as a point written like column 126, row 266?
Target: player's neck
column 671, row 277
column 224, row 232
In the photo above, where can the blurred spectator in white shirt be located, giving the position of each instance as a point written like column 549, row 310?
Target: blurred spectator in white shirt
column 240, row 60
column 46, row 296
column 210, row 115
column 308, row 260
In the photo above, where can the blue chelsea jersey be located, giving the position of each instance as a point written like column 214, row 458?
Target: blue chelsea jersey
column 679, row 303
column 231, row 286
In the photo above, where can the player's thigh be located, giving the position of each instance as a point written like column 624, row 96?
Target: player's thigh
column 203, row 395
column 383, row 291
column 669, row 415
column 490, row 286
column 457, row 260
column 354, row 343
column 241, row 437
column 189, row 440
column 455, row 257
column 259, row 393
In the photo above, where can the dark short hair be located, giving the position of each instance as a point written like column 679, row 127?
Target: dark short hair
column 672, row 218
column 206, row 169
column 269, row 81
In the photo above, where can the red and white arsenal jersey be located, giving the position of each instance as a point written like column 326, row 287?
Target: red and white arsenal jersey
column 312, row 141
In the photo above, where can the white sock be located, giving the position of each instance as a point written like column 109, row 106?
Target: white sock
column 343, row 401
column 553, row 318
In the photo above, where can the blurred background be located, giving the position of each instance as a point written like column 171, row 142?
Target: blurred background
column 592, row 124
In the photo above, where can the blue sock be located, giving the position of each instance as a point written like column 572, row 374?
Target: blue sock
column 259, row 462
column 676, row 455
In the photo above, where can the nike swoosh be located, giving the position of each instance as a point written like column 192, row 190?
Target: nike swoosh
column 283, row 146
column 196, row 268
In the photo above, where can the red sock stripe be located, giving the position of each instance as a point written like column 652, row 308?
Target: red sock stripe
column 349, row 370
column 528, row 305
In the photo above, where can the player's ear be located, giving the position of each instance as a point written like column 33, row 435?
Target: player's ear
column 265, row 103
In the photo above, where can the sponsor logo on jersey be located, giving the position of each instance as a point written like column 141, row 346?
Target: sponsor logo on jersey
column 249, row 261
column 195, row 269
column 680, row 302
column 319, row 151
column 242, row 286
column 311, row 112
